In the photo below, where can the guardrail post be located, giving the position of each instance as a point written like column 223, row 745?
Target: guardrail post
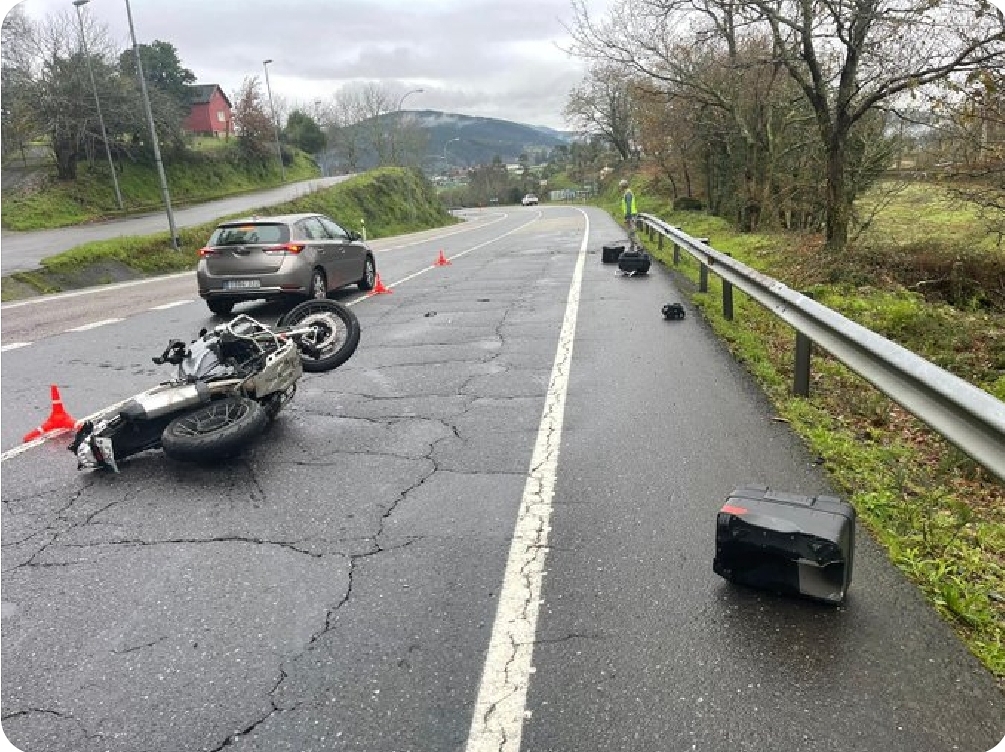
column 727, row 300
column 703, row 278
column 676, row 254
column 804, row 347
column 660, row 241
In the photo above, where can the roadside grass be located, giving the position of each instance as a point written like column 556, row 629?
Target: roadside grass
column 939, row 515
column 198, row 177
column 390, row 200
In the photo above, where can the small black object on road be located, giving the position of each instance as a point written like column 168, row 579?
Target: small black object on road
column 673, row 311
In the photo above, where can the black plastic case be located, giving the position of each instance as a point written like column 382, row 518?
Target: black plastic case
column 634, row 262
column 787, row 543
column 609, row 253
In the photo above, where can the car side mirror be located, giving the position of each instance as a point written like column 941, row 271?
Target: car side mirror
column 354, row 236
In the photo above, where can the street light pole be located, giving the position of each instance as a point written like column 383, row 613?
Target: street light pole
column 394, row 154
column 97, row 102
column 275, row 120
column 324, row 131
column 165, row 194
column 445, row 148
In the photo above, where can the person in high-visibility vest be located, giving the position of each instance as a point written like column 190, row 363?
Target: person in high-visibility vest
column 629, row 206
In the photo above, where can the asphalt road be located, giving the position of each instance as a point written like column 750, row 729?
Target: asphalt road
column 344, row 583
column 20, row 251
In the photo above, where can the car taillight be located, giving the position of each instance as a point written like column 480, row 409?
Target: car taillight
column 207, row 252
column 285, row 248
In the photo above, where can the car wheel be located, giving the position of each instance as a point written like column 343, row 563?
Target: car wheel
column 220, row 307
column 319, row 286
column 369, row 275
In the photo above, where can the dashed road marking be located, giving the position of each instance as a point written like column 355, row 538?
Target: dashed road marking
column 94, row 325
column 449, row 258
column 500, row 710
column 14, row 346
column 172, row 305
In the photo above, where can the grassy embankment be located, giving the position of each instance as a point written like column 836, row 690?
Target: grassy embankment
column 940, row 516
column 206, row 174
column 391, row 201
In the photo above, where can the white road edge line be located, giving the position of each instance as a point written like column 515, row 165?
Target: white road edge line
column 48, row 299
column 93, row 325
column 14, row 346
column 497, row 725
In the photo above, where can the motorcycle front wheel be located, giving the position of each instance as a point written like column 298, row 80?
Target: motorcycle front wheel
column 215, row 431
column 334, row 333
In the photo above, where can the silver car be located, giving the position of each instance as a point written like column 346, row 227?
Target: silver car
column 286, row 256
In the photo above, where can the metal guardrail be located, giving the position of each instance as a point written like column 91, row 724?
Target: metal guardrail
column 964, row 414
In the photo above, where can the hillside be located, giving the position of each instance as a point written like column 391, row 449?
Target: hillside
column 463, row 140
column 392, row 200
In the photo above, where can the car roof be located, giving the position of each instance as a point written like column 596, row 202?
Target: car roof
column 269, row 219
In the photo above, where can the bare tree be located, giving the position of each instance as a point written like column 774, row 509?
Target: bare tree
column 253, row 122
column 848, row 59
column 601, row 105
column 17, row 65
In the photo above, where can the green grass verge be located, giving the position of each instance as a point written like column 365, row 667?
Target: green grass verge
column 940, row 517
column 199, row 176
column 392, row 201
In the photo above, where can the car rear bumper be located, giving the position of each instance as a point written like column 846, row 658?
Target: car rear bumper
column 251, row 293
column 270, row 286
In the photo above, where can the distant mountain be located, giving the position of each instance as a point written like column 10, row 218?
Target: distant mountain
column 464, row 140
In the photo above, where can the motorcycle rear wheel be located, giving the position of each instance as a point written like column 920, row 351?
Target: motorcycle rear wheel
column 215, row 431
column 336, row 332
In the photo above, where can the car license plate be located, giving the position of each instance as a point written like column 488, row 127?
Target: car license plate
column 233, row 284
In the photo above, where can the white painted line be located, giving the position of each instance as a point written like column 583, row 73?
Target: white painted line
column 14, row 346
column 47, row 299
column 172, row 305
column 456, row 255
column 22, row 448
column 94, row 325
column 497, row 725
column 433, row 237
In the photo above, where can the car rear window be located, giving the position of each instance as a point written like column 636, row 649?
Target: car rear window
column 249, row 234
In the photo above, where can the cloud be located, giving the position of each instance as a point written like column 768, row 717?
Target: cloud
column 481, row 57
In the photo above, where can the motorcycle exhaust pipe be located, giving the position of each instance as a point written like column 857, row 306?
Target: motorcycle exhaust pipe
column 156, row 404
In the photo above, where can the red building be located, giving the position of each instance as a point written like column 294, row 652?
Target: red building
column 211, row 112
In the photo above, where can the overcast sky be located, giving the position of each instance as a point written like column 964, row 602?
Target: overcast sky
column 492, row 58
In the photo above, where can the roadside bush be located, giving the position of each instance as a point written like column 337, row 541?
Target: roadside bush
column 688, row 203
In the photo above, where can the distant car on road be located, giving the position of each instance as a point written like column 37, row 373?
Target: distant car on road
column 293, row 256
column 529, row 200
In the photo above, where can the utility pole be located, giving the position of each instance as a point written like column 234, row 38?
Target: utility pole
column 153, row 132
column 97, row 102
column 275, row 120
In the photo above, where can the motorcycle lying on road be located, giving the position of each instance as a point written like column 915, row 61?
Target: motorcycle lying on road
column 231, row 381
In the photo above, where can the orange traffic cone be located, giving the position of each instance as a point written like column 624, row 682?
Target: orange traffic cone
column 378, row 287
column 442, row 260
column 58, row 421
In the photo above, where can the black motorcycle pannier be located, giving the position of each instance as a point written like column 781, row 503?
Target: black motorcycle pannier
column 609, row 253
column 634, row 262
column 787, row 543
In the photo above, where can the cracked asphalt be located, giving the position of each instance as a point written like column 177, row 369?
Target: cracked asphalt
column 335, row 587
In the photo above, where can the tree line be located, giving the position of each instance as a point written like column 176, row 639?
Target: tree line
column 784, row 111
column 47, row 93
column 47, row 96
